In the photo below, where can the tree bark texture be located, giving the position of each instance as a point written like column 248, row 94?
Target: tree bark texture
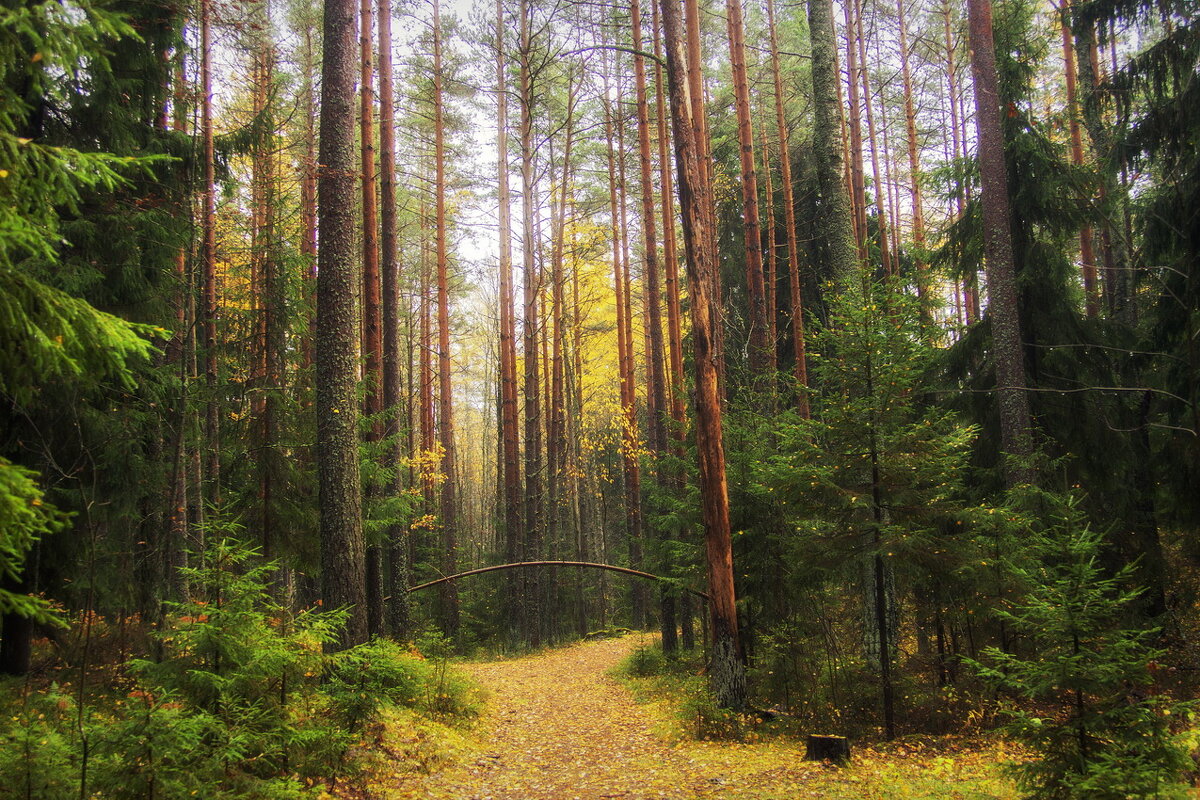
column 800, row 367
column 448, row 597
column 726, row 671
column 1003, row 311
column 372, row 311
column 336, row 357
column 834, row 209
column 509, row 424
column 751, row 227
column 398, row 611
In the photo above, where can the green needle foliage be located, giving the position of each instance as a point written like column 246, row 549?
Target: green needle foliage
column 46, row 335
column 1089, row 710
column 24, row 518
column 243, row 701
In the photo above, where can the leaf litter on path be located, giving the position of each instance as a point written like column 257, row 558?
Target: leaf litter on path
column 558, row 727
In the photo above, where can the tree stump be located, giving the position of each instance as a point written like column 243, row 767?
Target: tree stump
column 827, row 748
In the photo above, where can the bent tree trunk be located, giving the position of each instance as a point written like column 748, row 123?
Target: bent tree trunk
column 519, row 564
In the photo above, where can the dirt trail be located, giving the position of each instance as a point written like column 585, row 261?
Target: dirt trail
column 557, row 727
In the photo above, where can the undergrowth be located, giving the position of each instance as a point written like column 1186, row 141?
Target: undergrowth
column 918, row 767
column 242, row 701
column 680, row 684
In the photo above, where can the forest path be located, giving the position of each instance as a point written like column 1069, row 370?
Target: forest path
column 556, row 726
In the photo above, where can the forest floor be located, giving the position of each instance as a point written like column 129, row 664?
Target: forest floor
column 556, row 725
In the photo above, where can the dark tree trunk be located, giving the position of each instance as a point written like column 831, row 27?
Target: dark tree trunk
column 834, row 209
column 1003, row 310
column 534, row 523
column 342, row 556
column 448, row 597
column 800, row 368
column 509, row 432
column 398, row 575
column 208, row 260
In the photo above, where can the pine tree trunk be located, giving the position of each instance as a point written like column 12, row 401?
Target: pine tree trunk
column 1003, row 310
column 342, row 551
column 556, row 449
column 752, row 233
column 448, row 595
column 696, row 98
column 174, row 552
column 398, row 611
column 274, row 307
column 858, row 196
column 208, row 259
column 630, row 445
column 372, row 311
column 914, row 168
column 534, row 523
column 835, row 210
column 308, row 183
column 885, row 255
column 656, row 400
column 1087, row 257
column 957, row 123
column 677, row 386
column 800, row 366
column 726, row 671
column 509, row 433
column 771, row 254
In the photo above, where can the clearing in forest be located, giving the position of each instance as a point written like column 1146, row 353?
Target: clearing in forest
column 557, row 726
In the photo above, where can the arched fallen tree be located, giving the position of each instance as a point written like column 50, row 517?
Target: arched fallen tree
column 610, row 567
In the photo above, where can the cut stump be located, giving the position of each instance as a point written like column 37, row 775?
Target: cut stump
column 827, row 748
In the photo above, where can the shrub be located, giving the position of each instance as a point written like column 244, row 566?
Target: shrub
column 36, row 745
column 239, row 660
column 645, row 661
column 243, row 703
column 1103, row 733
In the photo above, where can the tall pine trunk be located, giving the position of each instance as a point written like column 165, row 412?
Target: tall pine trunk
column 448, row 594
column 398, row 611
column 342, row 553
column 1087, row 257
column 1008, row 354
column 208, row 260
column 534, row 522
column 751, row 229
column 726, row 672
column 372, row 311
column 800, row 366
column 509, row 432
column 835, row 211
column 914, row 168
column 885, row 254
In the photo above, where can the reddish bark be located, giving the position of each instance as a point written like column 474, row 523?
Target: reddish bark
column 726, row 671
